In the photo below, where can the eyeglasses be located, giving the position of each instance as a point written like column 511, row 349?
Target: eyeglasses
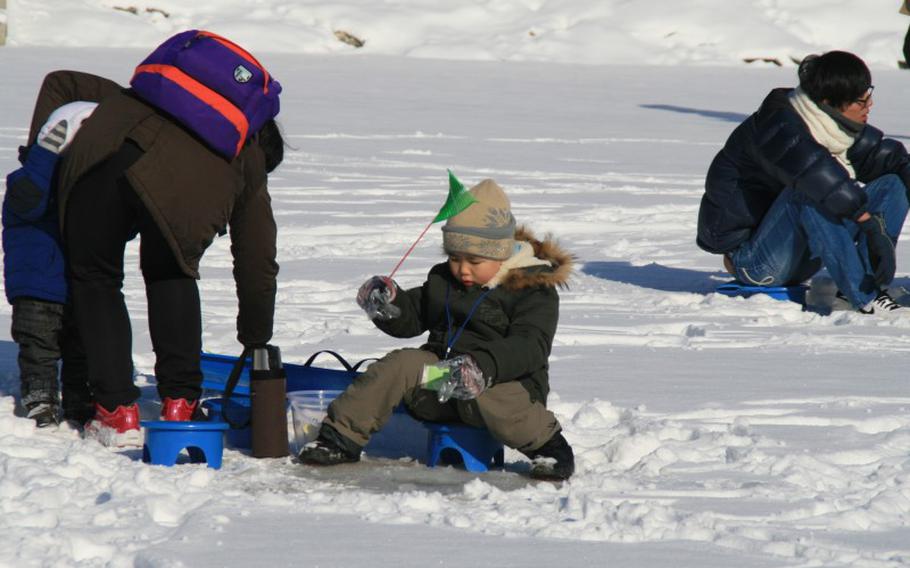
column 867, row 100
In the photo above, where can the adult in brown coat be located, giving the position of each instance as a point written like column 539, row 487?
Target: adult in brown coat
column 132, row 170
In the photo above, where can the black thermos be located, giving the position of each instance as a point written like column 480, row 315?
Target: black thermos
column 268, row 413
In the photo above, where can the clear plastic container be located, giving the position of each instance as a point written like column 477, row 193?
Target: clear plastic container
column 308, row 408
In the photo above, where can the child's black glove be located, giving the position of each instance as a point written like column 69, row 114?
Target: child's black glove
column 881, row 249
column 375, row 298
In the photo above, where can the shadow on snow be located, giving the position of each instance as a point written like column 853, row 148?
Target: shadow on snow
column 657, row 276
column 719, row 115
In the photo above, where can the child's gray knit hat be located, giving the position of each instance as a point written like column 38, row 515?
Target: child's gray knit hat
column 486, row 228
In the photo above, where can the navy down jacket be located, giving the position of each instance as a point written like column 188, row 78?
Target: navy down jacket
column 33, row 263
column 772, row 150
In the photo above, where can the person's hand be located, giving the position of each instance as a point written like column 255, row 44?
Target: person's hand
column 881, row 249
column 459, row 377
column 375, row 298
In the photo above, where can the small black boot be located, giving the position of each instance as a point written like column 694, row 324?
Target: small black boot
column 553, row 461
column 43, row 413
column 41, row 401
column 330, row 448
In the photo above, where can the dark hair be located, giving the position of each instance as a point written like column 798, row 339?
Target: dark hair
column 836, row 77
column 272, row 144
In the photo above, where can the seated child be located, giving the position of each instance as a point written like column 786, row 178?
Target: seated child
column 491, row 312
column 35, row 278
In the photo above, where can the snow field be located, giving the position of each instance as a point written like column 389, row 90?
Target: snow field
column 708, row 430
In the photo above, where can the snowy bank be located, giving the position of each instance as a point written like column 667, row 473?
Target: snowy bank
column 661, row 32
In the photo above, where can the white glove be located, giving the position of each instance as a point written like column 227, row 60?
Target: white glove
column 63, row 124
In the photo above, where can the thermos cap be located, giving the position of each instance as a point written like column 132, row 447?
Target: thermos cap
column 267, row 358
column 260, row 359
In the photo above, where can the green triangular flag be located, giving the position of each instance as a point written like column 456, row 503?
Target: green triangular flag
column 458, row 200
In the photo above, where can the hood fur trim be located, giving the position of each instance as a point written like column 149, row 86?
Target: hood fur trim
column 556, row 275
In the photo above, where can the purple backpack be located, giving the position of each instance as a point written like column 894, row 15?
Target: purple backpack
column 211, row 86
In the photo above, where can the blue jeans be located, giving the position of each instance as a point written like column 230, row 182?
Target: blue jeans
column 796, row 238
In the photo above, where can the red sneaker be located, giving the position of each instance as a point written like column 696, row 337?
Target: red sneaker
column 117, row 429
column 178, row 409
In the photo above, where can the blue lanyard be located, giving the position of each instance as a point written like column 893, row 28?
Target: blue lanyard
column 466, row 320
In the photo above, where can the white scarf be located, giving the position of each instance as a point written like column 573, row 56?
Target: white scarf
column 823, row 128
column 523, row 257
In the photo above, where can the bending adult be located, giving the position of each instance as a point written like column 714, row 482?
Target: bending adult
column 805, row 182
column 133, row 170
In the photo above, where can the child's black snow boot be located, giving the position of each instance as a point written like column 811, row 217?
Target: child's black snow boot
column 40, row 400
column 553, row 461
column 43, row 413
column 330, row 448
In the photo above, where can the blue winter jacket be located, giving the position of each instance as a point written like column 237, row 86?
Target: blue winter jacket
column 33, row 262
column 772, row 150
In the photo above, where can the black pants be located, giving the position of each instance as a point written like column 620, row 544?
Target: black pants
column 907, row 47
column 104, row 213
column 46, row 334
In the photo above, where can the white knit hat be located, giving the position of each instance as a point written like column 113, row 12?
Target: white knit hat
column 63, row 124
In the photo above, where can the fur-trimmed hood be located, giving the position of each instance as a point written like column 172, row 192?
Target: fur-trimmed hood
column 535, row 263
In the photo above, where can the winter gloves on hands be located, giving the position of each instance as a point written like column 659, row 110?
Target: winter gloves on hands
column 459, row 377
column 375, row 298
column 881, row 249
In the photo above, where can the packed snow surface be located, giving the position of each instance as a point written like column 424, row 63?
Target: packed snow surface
column 709, row 431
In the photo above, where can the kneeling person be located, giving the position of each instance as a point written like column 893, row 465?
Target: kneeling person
column 805, row 182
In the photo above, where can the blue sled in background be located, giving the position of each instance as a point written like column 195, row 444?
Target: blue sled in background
column 735, row 288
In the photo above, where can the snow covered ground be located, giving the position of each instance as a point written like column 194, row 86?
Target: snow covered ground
column 666, row 32
column 709, row 431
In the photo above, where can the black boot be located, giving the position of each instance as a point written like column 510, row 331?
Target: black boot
column 43, row 413
column 40, row 400
column 330, row 448
column 553, row 461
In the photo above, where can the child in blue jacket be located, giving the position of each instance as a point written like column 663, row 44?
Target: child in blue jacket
column 35, row 278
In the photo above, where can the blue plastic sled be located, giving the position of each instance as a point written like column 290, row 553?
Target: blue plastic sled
column 217, row 368
column 402, row 436
column 239, row 411
column 795, row 293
